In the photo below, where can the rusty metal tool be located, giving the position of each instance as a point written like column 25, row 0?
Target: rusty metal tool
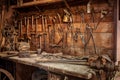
column 27, row 29
column 44, row 38
column 89, row 30
column 67, row 5
column 59, row 21
column 33, row 42
column 49, row 26
column 32, row 21
column 20, row 27
column 66, row 40
column 53, row 31
column 82, row 15
column 45, row 32
column 36, row 28
column 93, row 15
column 26, row 24
column 43, row 25
column 75, row 37
column 25, row 21
column 40, row 41
column 63, row 36
column 36, row 24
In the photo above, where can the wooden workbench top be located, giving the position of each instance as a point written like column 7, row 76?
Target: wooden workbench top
column 62, row 68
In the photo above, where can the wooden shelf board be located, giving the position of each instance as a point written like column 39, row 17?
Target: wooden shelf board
column 42, row 2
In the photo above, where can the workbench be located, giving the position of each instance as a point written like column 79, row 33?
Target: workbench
column 80, row 71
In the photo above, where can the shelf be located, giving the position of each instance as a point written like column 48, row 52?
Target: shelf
column 41, row 2
column 47, row 2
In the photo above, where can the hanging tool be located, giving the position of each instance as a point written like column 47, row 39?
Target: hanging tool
column 45, row 34
column 65, row 44
column 52, row 37
column 61, row 32
column 39, row 49
column 75, row 37
column 27, row 29
column 21, row 27
column 104, row 14
column 53, row 31
column 89, row 6
column 26, row 24
column 59, row 22
column 40, row 41
column 43, row 25
column 49, row 26
column 67, row 16
column 67, row 6
column 36, row 24
column 44, row 43
column 90, row 32
column 33, row 42
column 93, row 15
column 32, row 19
column 82, row 15
column 36, row 28
column 25, row 21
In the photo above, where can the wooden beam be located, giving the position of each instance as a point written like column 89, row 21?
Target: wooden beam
column 41, row 2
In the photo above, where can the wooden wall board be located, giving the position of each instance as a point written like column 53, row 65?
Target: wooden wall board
column 103, row 35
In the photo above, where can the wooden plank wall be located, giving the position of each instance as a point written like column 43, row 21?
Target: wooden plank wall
column 103, row 35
